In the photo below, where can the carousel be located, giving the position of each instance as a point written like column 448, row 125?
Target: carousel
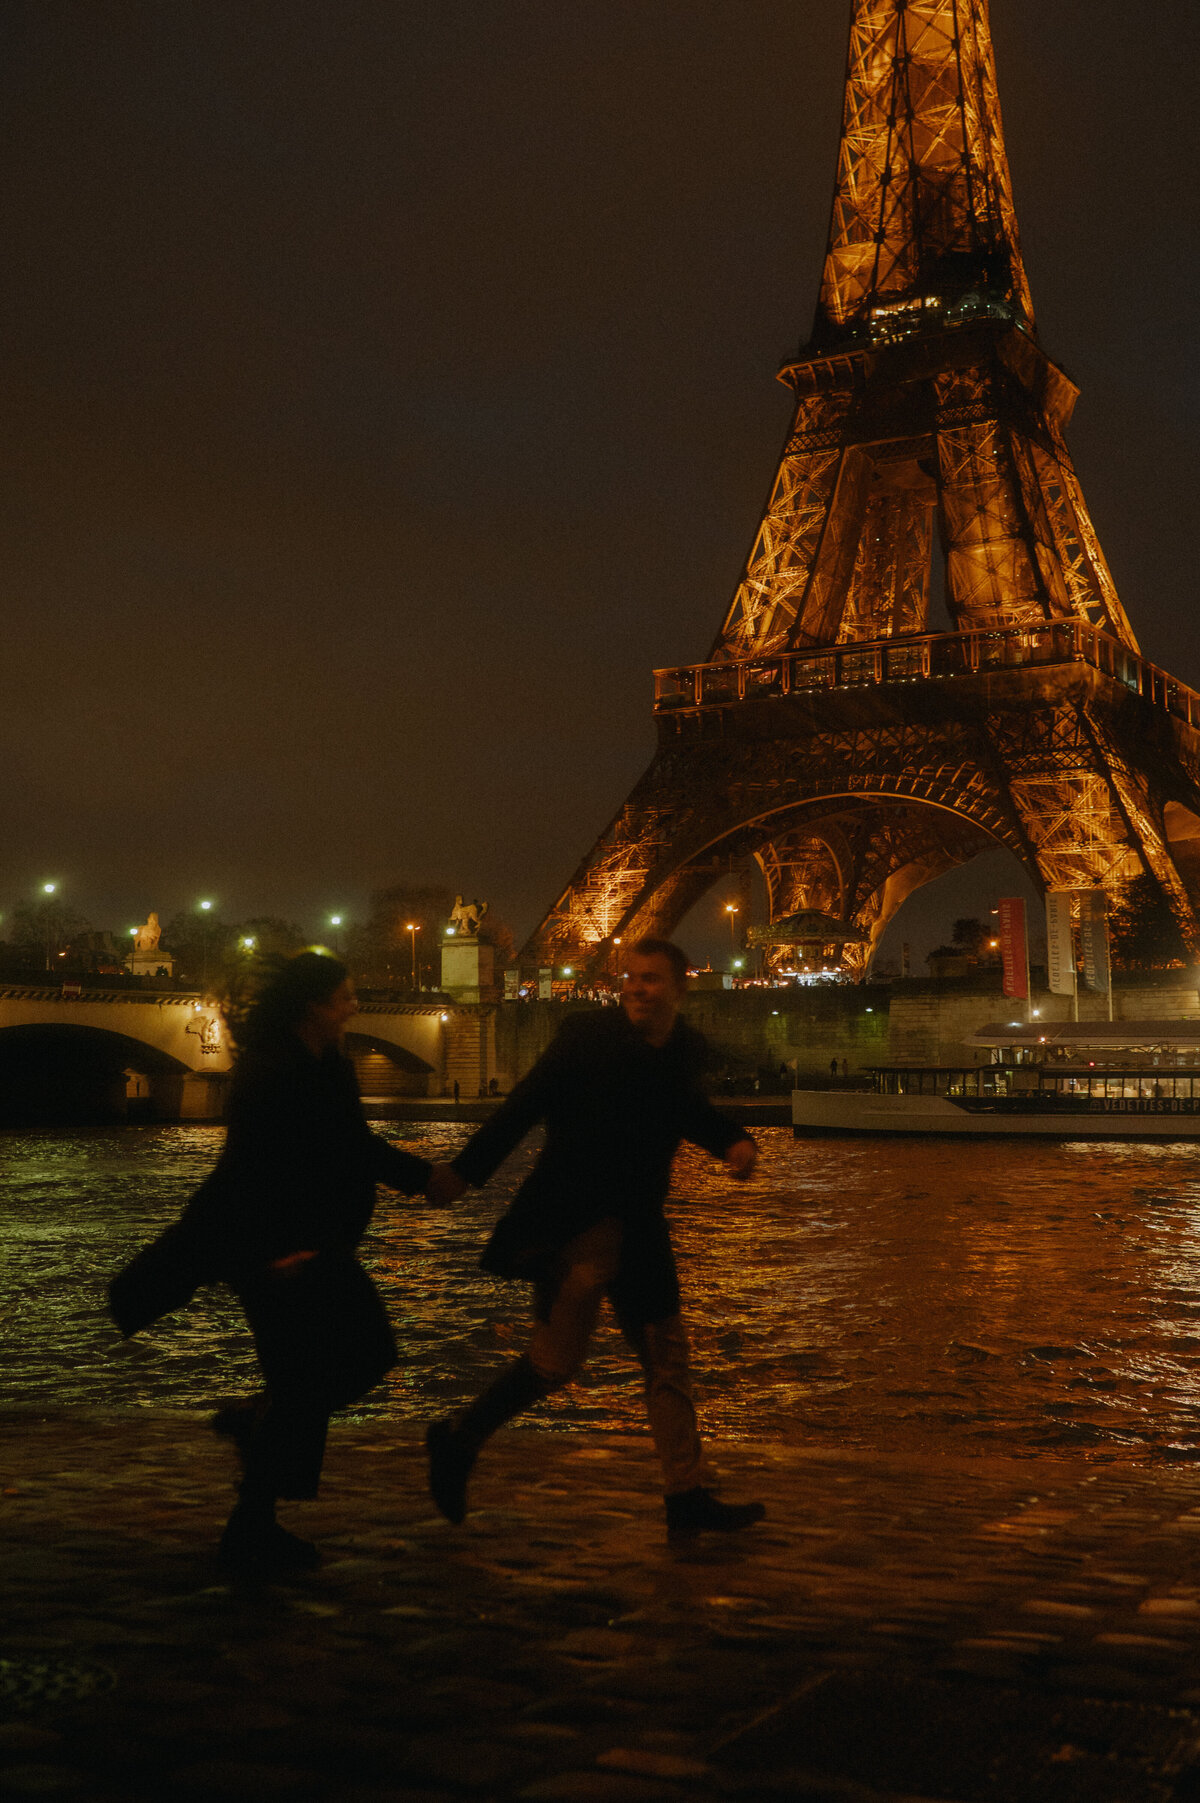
column 811, row 944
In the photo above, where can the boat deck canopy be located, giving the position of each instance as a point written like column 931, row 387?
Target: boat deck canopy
column 1099, row 1035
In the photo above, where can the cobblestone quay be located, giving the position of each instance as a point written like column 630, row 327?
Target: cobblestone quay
column 899, row 1628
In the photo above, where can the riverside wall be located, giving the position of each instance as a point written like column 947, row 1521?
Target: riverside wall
column 753, row 1032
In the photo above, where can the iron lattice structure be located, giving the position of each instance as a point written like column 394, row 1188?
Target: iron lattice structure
column 830, row 736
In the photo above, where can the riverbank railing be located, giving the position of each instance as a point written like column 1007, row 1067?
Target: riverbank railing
column 930, row 657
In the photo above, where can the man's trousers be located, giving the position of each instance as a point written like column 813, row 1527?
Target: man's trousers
column 568, row 1306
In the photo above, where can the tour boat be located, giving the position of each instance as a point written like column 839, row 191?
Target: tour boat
column 1052, row 1080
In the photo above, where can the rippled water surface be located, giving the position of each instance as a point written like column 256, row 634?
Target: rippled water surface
column 945, row 1297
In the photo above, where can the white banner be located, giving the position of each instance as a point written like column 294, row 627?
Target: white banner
column 1060, row 949
column 1093, row 936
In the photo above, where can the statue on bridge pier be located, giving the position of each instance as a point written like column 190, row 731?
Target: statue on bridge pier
column 466, row 917
column 146, row 938
column 145, row 960
column 468, row 962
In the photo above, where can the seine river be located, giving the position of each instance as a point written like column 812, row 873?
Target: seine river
column 935, row 1297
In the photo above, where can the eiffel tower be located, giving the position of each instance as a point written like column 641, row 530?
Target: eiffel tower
column 830, row 735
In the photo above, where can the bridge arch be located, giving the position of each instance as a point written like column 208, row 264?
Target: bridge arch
column 65, row 1036
column 386, row 1068
column 65, row 1072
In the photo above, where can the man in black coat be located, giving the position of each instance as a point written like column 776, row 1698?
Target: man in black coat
column 617, row 1091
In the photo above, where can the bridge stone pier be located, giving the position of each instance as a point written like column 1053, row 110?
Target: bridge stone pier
column 116, row 1054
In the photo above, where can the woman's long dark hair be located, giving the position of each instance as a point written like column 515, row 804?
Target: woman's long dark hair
column 271, row 1001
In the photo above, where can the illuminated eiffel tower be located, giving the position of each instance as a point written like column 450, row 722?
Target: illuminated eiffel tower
column 830, row 736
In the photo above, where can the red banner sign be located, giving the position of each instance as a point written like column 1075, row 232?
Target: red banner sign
column 1014, row 949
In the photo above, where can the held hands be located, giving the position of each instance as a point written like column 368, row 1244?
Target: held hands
column 444, row 1186
column 290, row 1263
column 741, row 1158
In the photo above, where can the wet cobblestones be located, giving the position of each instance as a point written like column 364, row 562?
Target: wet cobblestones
column 978, row 1631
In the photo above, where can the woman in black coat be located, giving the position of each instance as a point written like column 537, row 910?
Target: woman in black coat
column 280, row 1219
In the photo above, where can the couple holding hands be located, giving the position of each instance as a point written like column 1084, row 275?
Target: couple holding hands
column 281, row 1216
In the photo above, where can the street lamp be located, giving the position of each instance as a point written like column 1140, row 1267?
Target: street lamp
column 47, row 889
column 412, row 929
column 335, row 921
column 731, row 908
column 205, row 907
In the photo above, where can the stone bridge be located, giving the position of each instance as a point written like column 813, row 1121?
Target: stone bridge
column 167, row 1056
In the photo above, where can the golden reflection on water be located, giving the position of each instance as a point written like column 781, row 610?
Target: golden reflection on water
column 913, row 1296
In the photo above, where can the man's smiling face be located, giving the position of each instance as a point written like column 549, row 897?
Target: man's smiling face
column 651, row 995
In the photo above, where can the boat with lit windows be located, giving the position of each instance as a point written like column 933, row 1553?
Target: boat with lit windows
column 1132, row 1080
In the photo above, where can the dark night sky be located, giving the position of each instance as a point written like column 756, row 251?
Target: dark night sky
column 389, row 387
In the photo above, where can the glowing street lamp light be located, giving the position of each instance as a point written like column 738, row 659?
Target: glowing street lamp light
column 205, row 907
column 48, row 889
column 335, row 921
column 412, row 929
column 732, row 910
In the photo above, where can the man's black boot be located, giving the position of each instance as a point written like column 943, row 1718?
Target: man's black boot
column 698, row 1511
column 453, row 1444
column 264, row 1552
